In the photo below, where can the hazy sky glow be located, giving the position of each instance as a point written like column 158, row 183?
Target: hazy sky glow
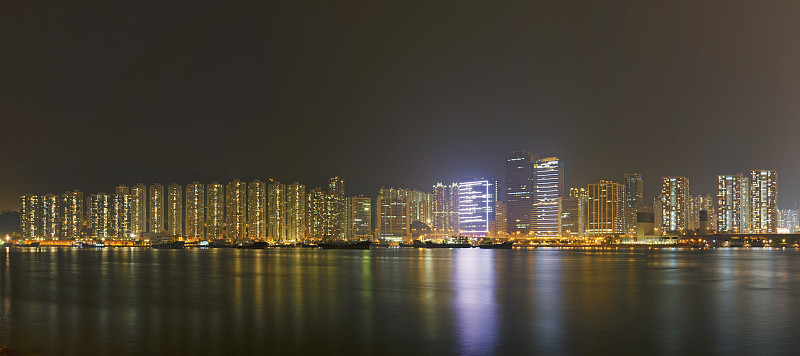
column 394, row 93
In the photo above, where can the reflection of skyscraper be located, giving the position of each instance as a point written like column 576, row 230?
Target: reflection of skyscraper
column 215, row 211
column 548, row 188
column 257, row 210
column 676, row 204
column 138, row 209
column 606, row 207
column 394, row 214
column 156, row 208
column 235, row 210
column 731, row 201
column 195, row 211
column 175, row 210
column 295, row 212
column 763, row 201
column 476, row 201
column 519, row 192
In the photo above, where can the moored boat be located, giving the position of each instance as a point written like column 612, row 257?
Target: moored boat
column 431, row 244
column 168, row 244
column 346, row 245
column 502, row 245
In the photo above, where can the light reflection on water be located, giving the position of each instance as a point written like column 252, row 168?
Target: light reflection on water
column 399, row 301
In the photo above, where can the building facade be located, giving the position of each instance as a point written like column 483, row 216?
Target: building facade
column 763, row 201
column 548, row 180
column 477, row 199
column 215, row 211
column 195, row 211
column 606, row 209
column 519, row 192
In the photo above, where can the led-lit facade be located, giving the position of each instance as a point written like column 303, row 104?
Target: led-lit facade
column 548, row 180
column 676, row 204
column 215, row 211
column 235, row 210
column 295, row 212
column 195, row 211
column 476, row 203
column 606, row 209
column 156, row 216
column 763, row 201
column 175, row 210
column 394, row 214
column 519, row 192
column 257, row 210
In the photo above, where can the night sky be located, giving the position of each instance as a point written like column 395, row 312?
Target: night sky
column 95, row 94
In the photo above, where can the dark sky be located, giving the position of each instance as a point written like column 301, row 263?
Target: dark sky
column 94, row 94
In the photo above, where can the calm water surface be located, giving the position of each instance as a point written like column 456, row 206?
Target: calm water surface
column 56, row 301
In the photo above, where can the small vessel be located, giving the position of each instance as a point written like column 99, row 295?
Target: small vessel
column 431, row 244
column 346, row 245
column 167, row 244
column 257, row 245
column 92, row 244
column 28, row 244
column 415, row 243
column 502, row 245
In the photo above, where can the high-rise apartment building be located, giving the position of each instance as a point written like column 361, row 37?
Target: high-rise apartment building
column 634, row 199
column 50, row 216
column 175, row 210
column 445, row 208
column 732, row 196
column 138, row 209
column 30, row 211
column 72, row 214
column 606, row 209
column 257, row 210
column 476, row 203
column 316, row 214
column 394, row 214
column 421, row 207
column 788, row 221
column 501, row 220
column 235, row 210
column 702, row 203
column 676, row 204
column 100, row 216
column 295, row 212
column 195, row 210
column 121, row 213
column 215, row 211
column 359, row 218
column 519, row 192
column 156, row 214
column 574, row 214
column 278, row 228
column 763, row 201
column 336, row 209
column 548, row 178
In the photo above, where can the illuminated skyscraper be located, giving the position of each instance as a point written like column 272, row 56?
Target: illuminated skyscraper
column 316, row 212
column 71, row 214
column 30, row 213
column 501, row 221
column 121, row 213
column 336, row 208
column 606, row 209
column 445, row 208
column 394, row 214
column 634, row 199
column 277, row 212
column 235, row 211
column 257, row 210
column 731, row 203
column 548, row 188
column 574, row 214
column 215, row 211
column 175, row 210
column 359, row 218
column 138, row 209
column 100, row 216
column 519, row 192
column 295, row 212
column 763, row 201
column 702, row 203
column 788, row 221
column 50, row 216
column 421, row 207
column 676, row 204
column 156, row 213
column 476, row 203
column 195, row 211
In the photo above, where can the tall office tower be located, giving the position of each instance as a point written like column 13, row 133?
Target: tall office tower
column 606, row 209
column 30, row 211
column 359, row 218
column 394, row 214
column 175, row 210
column 316, row 210
column 138, row 209
column 519, row 192
column 278, row 228
column 574, row 214
column 421, row 207
column 100, row 216
column 548, row 179
column 71, row 214
column 195, row 211
column 156, row 211
column 454, row 209
column 763, row 201
column 676, row 205
column 476, row 201
column 50, row 216
column 336, row 208
column 788, row 221
column 702, row 203
column 731, row 202
column 444, row 208
column 121, row 214
column 215, row 211
column 295, row 212
column 257, row 210
column 235, row 210
column 634, row 199
column 501, row 220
